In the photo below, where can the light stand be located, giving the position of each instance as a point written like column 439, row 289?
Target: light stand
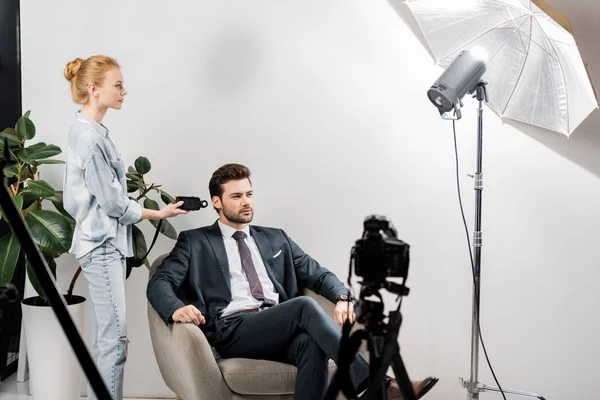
column 473, row 387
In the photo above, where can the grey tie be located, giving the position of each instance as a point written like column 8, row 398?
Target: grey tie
column 249, row 269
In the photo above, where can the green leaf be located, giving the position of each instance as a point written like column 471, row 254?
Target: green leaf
column 71, row 221
column 151, row 204
column 132, row 170
column 139, row 250
column 166, row 228
column 48, row 162
column 10, row 131
column 12, row 140
column 25, row 128
column 33, row 206
column 27, row 113
column 9, row 254
column 166, row 197
column 18, row 202
column 142, row 165
column 40, row 188
column 33, row 278
column 132, row 186
column 50, row 230
column 37, row 153
column 21, row 154
column 133, row 177
column 139, row 242
column 57, row 200
column 11, row 173
column 37, row 146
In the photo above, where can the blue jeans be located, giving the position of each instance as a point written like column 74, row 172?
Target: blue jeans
column 104, row 269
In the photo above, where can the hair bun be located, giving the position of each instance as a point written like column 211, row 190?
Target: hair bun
column 72, row 68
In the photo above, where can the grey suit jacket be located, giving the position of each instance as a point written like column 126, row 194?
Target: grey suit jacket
column 199, row 268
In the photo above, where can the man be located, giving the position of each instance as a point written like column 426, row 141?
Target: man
column 247, row 282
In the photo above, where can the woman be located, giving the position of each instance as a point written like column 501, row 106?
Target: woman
column 95, row 194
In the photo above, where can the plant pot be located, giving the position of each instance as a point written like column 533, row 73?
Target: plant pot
column 54, row 372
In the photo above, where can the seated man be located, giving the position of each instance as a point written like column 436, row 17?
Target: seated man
column 245, row 281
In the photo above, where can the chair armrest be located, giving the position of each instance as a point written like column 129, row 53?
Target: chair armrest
column 186, row 361
column 323, row 302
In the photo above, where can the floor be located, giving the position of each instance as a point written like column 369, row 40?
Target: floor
column 10, row 389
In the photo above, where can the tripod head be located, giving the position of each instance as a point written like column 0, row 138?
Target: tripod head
column 371, row 313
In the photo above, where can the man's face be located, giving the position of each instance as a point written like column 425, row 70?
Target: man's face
column 237, row 202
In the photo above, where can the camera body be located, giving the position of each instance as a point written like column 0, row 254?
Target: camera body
column 379, row 254
column 191, row 203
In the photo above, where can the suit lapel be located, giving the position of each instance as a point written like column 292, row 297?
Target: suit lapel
column 215, row 237
column 263, row 246
column 266, row 252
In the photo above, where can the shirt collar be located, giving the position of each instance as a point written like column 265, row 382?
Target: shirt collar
column 227, row 231
column 101, row 129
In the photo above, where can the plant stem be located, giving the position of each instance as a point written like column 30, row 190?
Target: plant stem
column 18, row 179
column 145, row 192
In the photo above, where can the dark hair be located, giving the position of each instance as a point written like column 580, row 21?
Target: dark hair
column 226, row 173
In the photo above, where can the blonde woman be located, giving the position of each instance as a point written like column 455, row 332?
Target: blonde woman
column 95, row 194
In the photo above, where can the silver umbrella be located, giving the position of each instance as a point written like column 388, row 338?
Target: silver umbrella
column 535, row 73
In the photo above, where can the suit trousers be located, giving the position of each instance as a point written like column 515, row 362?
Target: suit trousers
column 298, row 332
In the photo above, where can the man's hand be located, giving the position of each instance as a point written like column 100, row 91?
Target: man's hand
column 344, row 310
column 188, row 314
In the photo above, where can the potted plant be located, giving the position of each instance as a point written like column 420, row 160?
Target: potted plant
column 52, row 230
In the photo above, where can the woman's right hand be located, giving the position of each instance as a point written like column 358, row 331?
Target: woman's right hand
column 173, row 210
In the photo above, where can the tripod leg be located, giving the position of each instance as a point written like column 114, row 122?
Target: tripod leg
column 402, row 378
column 341, row 378
column 375, row 347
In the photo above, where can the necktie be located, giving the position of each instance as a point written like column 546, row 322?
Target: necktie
column 248, row 266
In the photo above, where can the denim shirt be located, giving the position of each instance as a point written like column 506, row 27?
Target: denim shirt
column 95, row 190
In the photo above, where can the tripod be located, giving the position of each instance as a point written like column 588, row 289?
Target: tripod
column 382, row 341
column 473, row 387
column 47, row 282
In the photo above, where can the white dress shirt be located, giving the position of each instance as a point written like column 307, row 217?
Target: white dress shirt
column 241, row 296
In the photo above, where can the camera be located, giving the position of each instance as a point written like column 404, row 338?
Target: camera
column 191, row 203
column 379, row 253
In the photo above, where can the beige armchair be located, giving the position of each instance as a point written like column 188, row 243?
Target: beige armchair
column 192, row 369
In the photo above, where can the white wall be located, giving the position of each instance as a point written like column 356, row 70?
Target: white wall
column 325, row 102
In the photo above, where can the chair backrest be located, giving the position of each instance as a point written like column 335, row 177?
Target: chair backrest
column 156, row 263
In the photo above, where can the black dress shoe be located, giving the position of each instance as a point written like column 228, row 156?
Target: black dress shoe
column 419, row 387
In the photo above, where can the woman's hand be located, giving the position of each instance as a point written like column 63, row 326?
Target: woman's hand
column 173, row 210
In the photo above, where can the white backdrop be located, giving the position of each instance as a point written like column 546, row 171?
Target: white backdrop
column 325, row 102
